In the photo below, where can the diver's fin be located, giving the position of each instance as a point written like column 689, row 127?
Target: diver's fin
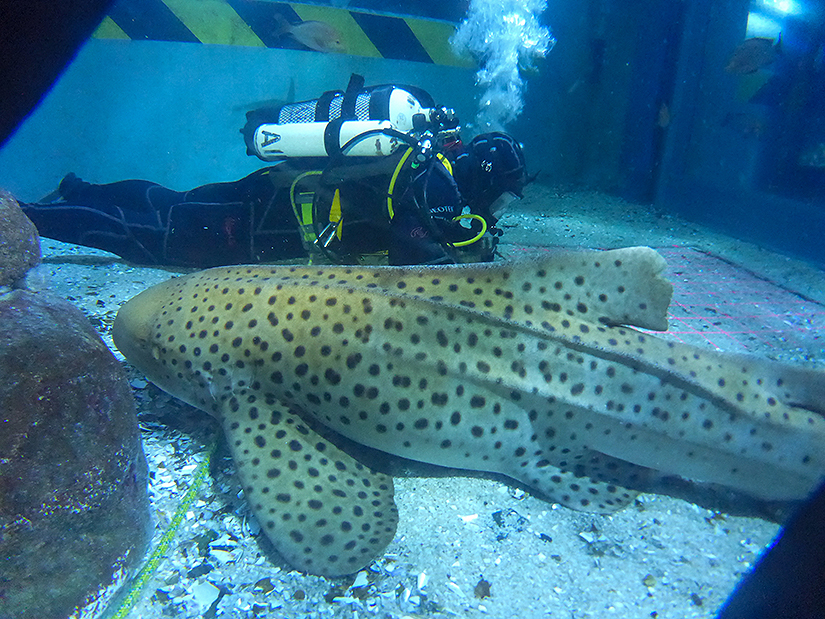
column 65, row 185
column 49, row 198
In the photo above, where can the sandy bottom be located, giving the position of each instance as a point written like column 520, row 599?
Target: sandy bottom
column 467, row 547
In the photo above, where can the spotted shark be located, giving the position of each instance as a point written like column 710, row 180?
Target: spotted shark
column 529, row 369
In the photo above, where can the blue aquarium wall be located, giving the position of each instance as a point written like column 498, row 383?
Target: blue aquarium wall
column 741, row 155
column 171, row 110
column 162, row 96
column 135, row 104
column 636, row 99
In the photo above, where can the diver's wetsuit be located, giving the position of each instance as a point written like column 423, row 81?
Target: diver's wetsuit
column 254, row 220
column 146, row 223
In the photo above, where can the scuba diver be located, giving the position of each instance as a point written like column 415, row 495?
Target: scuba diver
column 369, row 175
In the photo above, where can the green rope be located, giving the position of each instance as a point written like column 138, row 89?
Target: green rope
column 151, row 565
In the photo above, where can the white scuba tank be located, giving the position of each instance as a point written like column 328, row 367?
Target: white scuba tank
column 316, row 128
column 273, row 142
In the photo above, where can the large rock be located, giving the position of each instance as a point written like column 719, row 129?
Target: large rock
column 74, row 509
column 19, row 241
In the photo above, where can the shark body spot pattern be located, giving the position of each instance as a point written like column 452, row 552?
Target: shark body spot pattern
column 525, row 369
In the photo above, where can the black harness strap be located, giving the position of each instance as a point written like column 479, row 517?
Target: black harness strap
column 356, row 85
column 323, row 103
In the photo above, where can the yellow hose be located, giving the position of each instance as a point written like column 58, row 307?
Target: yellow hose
column 478, row 236
column 151, row 565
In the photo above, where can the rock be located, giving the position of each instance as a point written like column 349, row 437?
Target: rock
column 19, row 241
column 74, row 510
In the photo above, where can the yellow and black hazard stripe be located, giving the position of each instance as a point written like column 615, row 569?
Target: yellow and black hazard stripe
column 255, row 23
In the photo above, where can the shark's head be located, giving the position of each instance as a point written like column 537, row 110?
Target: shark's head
column 137, row 334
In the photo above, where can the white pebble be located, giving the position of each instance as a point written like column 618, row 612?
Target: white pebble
column 224, row 556
column 205, row 594
column 455, row 587
column 360, row 580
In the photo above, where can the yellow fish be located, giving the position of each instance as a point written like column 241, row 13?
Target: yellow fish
column 315, row 35
column 522, row 369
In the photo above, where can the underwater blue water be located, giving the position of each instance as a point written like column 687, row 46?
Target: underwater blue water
column 637, row 100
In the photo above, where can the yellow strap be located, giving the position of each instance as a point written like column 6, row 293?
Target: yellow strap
column 391, row 187
column 335, row 207
column 335, row 213
column 445, row 162
column 304, row 215
column 478, row 236
column 292, row 200
column 306, row 221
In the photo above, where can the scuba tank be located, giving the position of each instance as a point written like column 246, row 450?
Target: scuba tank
column 359, row 122
column 272, row 142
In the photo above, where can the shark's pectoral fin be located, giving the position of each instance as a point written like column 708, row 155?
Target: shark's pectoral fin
column 325, row 512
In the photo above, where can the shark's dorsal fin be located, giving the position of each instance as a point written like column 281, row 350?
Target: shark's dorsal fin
column 615, row 287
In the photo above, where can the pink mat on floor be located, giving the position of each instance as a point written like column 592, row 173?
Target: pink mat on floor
column 725, row 305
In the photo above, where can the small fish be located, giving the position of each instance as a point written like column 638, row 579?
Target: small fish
column 315, row 35
column 753, row 54
column 523, row 369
